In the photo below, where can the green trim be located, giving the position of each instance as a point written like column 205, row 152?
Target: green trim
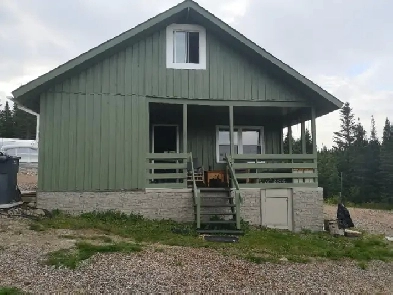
column 166, row 165
column 185, row 141
column 278, row 185
column 274, row 165
column 171, row 156
column 274, row 175
column 235, row 103
column 166, row 185
column 274, row 157
column 166, row 175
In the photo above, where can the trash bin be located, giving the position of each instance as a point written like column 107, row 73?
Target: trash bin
column 9, row 167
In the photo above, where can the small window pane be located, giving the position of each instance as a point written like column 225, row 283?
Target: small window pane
column 180, row 48
column 251, row 141
column 225, row 149
column 193, row 47
column 223, row 137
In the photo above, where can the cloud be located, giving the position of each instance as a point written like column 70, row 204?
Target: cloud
column 343, row 46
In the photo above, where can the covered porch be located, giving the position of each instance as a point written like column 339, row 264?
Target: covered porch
column 225, row 144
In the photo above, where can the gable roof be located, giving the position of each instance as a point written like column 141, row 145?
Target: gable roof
column 34, row 87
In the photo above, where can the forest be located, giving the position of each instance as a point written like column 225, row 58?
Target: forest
column 360, row 166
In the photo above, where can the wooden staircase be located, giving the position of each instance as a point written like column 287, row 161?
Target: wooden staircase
column 218, row 212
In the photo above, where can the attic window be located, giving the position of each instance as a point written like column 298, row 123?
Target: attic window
column 186, row 47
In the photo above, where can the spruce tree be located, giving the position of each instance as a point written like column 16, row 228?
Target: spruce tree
column 358, row 150
column 387, row 163
column 344, row 140
column 372, row 167
column 7, row 122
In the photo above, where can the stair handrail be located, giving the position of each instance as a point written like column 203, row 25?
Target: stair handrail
column 235, row 183
column 197, row 199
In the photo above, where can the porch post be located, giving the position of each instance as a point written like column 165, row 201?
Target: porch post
column 282, row 139
column 185, row 128
column 290, row 138
column 303, row 136
column 314, row 141
column 231, row 132
column 314, row 131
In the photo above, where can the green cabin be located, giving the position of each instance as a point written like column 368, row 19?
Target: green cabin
column 180, row 108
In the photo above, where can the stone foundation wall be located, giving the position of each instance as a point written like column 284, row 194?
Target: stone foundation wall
column 307, row 209
column 173, row 204
column 177, row 204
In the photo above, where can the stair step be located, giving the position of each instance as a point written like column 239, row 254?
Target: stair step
column 220, row 231
column 215, row 213
column 218, row 206
column 216, row 197
column 219, row 222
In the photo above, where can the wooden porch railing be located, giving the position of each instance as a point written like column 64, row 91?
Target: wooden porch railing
column 235, row 185
column 166, row 170
column 275, row 170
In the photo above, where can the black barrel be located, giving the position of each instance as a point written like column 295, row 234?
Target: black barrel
column 9, row 167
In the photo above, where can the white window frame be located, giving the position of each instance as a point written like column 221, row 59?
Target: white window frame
column 239, row 131
column 169, row 47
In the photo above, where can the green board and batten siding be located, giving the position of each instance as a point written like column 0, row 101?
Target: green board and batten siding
column 92, row 142
column 94, row 125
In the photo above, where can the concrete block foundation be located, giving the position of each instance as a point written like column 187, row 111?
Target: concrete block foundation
column 304, row 205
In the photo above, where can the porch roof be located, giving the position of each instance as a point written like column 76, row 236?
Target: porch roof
column 28, row 94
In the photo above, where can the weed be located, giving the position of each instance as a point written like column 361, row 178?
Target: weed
column 179, row 263
column 159, row 250
column 297, row 247
column 72, row 257
column 36, row 227
column 362, row 265
column 10, row 291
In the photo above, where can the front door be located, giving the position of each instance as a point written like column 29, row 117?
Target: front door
column 165, row 139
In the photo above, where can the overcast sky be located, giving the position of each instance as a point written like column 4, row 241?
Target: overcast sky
column 345, row 46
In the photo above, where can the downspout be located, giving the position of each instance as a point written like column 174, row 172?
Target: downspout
column 30, row 112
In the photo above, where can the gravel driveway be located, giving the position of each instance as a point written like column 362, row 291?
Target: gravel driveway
column 373, row 221
column 172, row 269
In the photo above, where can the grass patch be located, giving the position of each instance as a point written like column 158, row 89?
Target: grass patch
column 71, row 258
column 256, row 245
column 101, row 238
column 10, row 291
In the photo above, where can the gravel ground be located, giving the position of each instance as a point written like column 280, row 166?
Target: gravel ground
column 173, row 269
column 373, row 221
column 27, row 178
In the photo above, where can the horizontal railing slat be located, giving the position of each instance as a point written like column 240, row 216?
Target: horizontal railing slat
column 274, row 175
column 166, row 175
column 274, row 157
column 166, row 185
column 237, row 166
column 277, row 185
column 171, row 156
column 166, row 165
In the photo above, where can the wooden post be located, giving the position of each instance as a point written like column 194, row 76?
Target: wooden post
column 314, row 131
column 185, row 128
column 314, row 140
column 231, row 131
column 303, row 135
column 282, row 140
column 290, row 138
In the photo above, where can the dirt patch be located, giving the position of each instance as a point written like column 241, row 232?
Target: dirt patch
column 370, row 220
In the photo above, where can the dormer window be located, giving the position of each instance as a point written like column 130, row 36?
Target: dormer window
column 186, row 47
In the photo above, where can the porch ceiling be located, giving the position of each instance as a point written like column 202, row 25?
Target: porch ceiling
column 172, row 114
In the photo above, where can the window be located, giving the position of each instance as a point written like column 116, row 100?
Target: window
column 247, row 140
column 186, row 47
column 224, row 144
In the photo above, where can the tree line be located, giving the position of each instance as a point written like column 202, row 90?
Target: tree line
column 15, row 123
column 364, row 162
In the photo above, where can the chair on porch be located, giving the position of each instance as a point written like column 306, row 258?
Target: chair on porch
column 198, row 172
